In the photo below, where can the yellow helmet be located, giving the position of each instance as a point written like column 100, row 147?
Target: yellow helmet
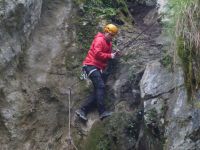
column 111, row 28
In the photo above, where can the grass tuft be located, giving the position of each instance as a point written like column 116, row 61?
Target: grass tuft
column 185, row 25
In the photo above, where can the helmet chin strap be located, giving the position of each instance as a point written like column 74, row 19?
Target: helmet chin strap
column 107, row 38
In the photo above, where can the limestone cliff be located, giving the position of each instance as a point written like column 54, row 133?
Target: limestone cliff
column 42, row 45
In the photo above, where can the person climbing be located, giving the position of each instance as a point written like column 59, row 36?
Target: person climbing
column 96, row 61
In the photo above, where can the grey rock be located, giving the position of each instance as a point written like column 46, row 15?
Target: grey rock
column 158, row 80
column 148, row 2
column 34, row 83
column 36, row 39
column 182, row 131
column 18, row 20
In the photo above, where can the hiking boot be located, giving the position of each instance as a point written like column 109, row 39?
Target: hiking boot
column 105, row 114
column 81, row 114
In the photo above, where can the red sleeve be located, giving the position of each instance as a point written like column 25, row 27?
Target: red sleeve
column 98, row 47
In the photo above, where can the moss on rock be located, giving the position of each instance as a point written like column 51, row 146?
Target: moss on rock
column 119, row 132
column 93, row 12
column 186, row 56
column 95, row 140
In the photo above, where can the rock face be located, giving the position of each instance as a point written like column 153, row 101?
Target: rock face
column 182, row 131
column 158, row 88
column 18, row 19
column 157, row 81
column 39, row 63
column 34, row 82
column 167, row 110
column 148, row 2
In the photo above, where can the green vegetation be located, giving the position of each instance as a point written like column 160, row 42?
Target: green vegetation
column 116, row 133
column 104, row 8
column 167, row 61
column 186, row 20
column 93, row 12
column 96, row 139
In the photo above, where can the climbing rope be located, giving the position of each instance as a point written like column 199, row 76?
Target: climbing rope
column 142, row 32
column 69, row 138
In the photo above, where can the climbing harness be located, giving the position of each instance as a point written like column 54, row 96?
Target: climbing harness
column 69, row 138
column 91, row 72
column 84, row 75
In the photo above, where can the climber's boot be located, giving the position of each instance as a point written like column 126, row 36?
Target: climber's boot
column 105, row 114
column 81, row 114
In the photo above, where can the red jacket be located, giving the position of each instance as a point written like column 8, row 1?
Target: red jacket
column 99, row 53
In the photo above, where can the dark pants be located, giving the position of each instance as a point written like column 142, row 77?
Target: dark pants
column 98, row 94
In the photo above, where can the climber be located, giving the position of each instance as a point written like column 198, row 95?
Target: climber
column 94, row 65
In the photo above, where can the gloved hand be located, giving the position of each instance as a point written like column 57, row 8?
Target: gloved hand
column 116, row 54
column 113, row 55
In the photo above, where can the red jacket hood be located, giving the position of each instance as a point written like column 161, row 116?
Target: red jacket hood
column 99, row 34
